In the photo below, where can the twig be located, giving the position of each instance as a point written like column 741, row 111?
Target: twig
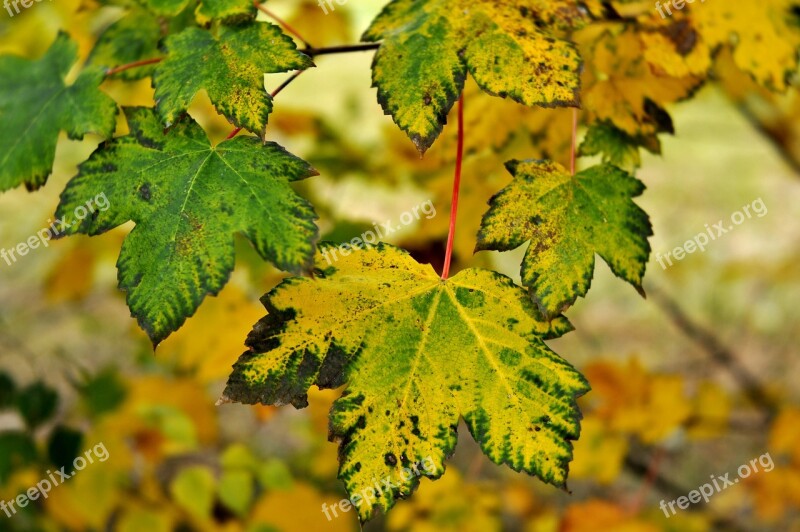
column 714, row 348
column 135, row 64
column 448, row 255
column 363, row 47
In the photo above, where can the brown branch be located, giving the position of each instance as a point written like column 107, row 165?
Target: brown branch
column 135, row 64
column 719, row 353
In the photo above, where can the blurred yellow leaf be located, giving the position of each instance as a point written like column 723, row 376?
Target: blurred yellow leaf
column 711, row 412
column 449, row 503
column 763, row 39
column 300, row 509
column 602, row 516
column 193, row 489
column 599, row 453
column 212, row 340
column 630, row 400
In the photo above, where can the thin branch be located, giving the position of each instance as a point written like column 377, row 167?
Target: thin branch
column 135, row 64
column 573, row 147
column 286, row 83
column 448, row 256
column 636, row 465
column 714, row 348
column 363, row 47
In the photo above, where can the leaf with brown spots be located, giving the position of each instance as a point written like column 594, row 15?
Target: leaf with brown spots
column 417, row 354
column 188, row 200
column 510, row 47
column 229, row 63
column 567, row 220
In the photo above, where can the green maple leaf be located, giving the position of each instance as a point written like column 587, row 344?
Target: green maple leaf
column 132, row 38
column 616, row 146
column 229, row 65
column 188, row 199
column 227, row 11
column 166, row 8
column 507, row 46
column 417, row 353
column 35, row 104
column 568, row 219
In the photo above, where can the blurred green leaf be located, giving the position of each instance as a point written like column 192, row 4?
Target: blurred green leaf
column 8, row 391
column 17, row 449
column 37, row 404
column 64, row 445
column 236, row 490
column 275, row 475
column 103, row 393
column 193, row 490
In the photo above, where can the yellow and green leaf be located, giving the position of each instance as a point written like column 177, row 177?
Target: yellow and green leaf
column 567, row 220
column 417, row 354
column 229, row 64
column 617, row 147
column 427, row 47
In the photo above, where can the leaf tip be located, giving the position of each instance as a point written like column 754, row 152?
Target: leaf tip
column 223, row 400
column 640, row 290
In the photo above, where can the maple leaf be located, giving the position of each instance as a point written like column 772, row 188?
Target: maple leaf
column 617, row 147
column 764, row 37
column 188, row 198
column 568, row 219
column 621, row 87
column 227, row 11
column 417, row 353
column 428, row 47
column 35, row 104
column 230, row 65
column 132, row 38
column 167, row 8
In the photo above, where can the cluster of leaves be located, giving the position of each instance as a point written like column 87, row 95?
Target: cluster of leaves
column 406, row 342
column 37, row 405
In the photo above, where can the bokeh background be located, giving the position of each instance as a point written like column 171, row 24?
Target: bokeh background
column 694, row 381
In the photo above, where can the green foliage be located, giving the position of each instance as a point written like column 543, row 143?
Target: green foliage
column 17, row 449
column 134, row 37
column 37, row 404
column 229, row 65
column 102, row 393
column 64, row 446
column 227, row 10
column 416, row 352
column 617, row 147
column 467, row 347
column 35, row 104
column 567, row 220
column 428, row 47
column 188, row 199
column 8, row 391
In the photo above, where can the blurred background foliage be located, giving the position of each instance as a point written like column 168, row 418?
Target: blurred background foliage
column 694, row 381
